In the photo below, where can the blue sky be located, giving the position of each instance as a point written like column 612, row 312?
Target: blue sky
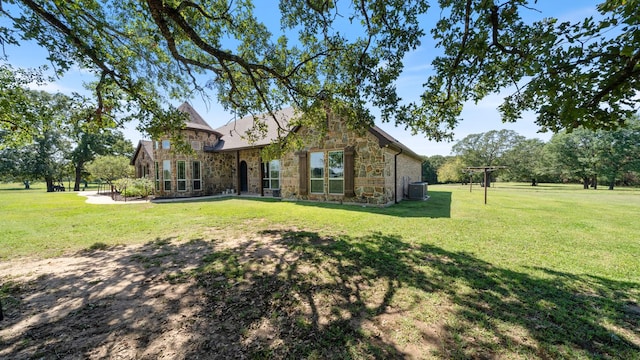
column 476, row 118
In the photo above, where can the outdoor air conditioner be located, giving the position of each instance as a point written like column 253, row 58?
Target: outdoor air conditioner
column 418, row 191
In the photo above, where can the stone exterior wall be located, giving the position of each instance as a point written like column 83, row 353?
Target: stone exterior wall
column 198, row 139
column 144, row 165
column 374, row 177
column 218, row 173
column 369, row 165
column 254, row 179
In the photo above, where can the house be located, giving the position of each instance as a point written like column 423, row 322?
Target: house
column 339, row 164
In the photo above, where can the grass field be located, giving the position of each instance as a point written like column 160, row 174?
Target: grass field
column 551, row 271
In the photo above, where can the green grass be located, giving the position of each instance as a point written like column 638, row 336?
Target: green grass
column 546, row 272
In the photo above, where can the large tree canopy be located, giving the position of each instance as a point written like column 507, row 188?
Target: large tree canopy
column 329, row 53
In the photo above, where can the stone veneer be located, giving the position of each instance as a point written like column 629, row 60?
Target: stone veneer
column 373, row 166
column 160, row 154
column 373, row 171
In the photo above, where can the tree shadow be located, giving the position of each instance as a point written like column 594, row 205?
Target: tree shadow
column 437, row 206
column 322, row 297
column 294, row 294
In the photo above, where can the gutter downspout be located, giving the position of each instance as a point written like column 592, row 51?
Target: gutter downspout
column 395, row 175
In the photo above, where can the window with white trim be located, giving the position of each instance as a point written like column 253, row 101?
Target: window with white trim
column 157, row 168
column 196, row 145
column 166, row 174
column 181, row 175
column 271, row 178
column 196, row 176
column 166, row 144
column 316, row 172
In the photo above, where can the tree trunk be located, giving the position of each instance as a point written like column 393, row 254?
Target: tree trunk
column 49, row 181
column 76, row 185
column 594, row 183
column 534, row 182
column 611, row 184
column 585, row 183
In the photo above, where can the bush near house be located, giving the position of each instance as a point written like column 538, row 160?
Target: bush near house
column 128, row 187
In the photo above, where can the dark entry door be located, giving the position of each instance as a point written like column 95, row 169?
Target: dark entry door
column 244, row 183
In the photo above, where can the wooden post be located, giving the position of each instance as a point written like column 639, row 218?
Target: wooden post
column 485, row 186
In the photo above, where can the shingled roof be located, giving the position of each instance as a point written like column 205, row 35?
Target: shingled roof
column 143, row 145
column 196, row 122
column 234, row 138
column 234, row 133
column 384, row 139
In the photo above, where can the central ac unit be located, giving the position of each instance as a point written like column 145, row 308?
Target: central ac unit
column 418, row 191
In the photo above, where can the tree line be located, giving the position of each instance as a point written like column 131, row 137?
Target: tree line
column 582, row 155
column 55, row 139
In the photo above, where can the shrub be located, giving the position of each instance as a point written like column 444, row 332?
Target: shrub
column 129, row 187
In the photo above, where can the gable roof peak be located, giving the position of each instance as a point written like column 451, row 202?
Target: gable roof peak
column 195, row 121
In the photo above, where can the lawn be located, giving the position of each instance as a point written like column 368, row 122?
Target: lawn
column 538, row 272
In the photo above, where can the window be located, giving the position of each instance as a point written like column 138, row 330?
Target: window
column 156, row 145
column 316, row 172
column 166, row 144
column 196, row 145
column 157, row 168
column 166, row 174
column 181, row 168
column 271, row 178
column 336, row 172
column 195, row 174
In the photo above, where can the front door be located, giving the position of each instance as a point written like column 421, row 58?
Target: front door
column 244, row 182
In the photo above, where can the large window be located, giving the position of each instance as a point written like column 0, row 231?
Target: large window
column 271, row 178
column 157, row 168
column 166, row 174
column 331, row 172
column 316, row 169
column 195, row 174
column 166, row 144
column 336, row 172
column 181, row 168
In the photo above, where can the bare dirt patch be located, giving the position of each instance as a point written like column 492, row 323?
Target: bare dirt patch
column 252, row 297
column 115, row 303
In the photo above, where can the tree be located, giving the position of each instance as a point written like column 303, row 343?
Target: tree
column 153, row 47
column 619, row 151
column 430, row 167
column 110, row 168
column 89, row 144
column 39, row 150
column 19, row 117
column 574, row 155
column 486, row 149
column 524, row 160
column 572, row 74
column 452, row 171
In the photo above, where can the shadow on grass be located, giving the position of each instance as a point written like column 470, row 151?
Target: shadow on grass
column 437, row 206
column 296, row 294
